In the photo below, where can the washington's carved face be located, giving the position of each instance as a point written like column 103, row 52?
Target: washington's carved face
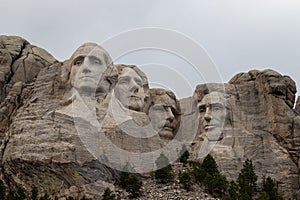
column 162, row 115
column 87, row 67
column 129, row 89
column 212, row 110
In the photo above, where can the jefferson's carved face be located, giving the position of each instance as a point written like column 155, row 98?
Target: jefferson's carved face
column 129, row 89
column 212, row 112
column 162, row 115
column 87, row 67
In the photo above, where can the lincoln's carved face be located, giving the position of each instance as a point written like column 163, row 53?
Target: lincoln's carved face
column 87, row 66
column 129, row 89
column 162, row 115
column 212, row 110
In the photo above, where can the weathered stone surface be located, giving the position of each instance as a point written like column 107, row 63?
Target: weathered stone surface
column 261, row 125
column 48, row 144
column 297, row 107
column 20, row 63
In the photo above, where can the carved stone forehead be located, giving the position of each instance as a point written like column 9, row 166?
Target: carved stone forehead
column 121, row 68
column 92, row 49
column 165, row 100
column 213, row 98
column 129, row 72
column 163, row 97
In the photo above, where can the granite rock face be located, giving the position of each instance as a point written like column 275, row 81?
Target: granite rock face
column 47, row 143
column 260, row 125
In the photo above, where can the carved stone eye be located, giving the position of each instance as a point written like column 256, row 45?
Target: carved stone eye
column 78, row 61
column 202, row 109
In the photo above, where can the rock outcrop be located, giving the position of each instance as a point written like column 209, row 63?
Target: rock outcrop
column 47, row 143
column 261, row 125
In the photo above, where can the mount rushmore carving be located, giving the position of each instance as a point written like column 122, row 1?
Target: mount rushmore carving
column 68, row 126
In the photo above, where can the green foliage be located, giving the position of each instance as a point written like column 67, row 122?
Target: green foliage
column 216, row 184
column 208, row 174
column 2, row 190
column 269, row 187
column 20, row 194
column 45, row 197
column 247, row 179
column 108, row 195
column 233, row 190
column 209, row 165
column 186, row 180
column 164, row 174
column 244, row 196
column 34, row 193
column 11, row 195
column 184, row 155
column 264, row 196
column 131, row 183
column 198, row 172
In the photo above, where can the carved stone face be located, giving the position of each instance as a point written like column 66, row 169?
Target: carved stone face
column 212, row 112
column 87, row 66
column 129, row 89
column 162, row 115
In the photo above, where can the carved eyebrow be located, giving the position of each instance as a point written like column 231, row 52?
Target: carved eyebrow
column 217, row 104
column 77, row 59
column 201, row 107
column 138, row 81
column 94, row 58
column 124, row 78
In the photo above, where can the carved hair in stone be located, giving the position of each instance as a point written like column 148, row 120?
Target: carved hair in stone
column 131, row 87
column 164, row 112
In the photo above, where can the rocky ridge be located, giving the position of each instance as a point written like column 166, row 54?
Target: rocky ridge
column 40, row 147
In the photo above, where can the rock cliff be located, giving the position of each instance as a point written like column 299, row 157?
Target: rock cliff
column 39, row 131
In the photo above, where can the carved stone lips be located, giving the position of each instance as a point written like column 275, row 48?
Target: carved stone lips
column 86, row 77
column 209, row 127
column 168, row 127
column 135, row 97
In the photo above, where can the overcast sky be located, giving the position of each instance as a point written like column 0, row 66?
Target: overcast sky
column 237, row 35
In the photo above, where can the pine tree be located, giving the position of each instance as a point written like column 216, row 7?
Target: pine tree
column 108, row 195
column 216, row 184
column 198, row 172
column 164, row 173
column 233, row 190
column 264, row 196
column 186, row 180
column 269, row 187
column 20, row 194
column 209, row 165
column 184, row 155
column 11, row 195
column 131, row 183
column 45, row 197
column 2, row 190
column 208, row 174
column 244, row 196
column 247, row 179
column 34, row 193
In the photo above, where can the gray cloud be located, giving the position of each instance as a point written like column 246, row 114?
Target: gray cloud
column 237, row 35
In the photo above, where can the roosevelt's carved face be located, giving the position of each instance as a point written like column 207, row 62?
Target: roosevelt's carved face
column 87, row 66
column 162, row 115
column 212, row 110
column 129, row 89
